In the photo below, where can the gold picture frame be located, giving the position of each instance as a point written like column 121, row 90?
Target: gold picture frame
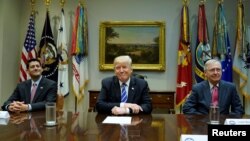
column 143, row 41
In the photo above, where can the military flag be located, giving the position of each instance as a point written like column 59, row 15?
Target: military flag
column 79, row 53
column 241, row 62
column 184, row 75
column 221, row 45
column 202, row 51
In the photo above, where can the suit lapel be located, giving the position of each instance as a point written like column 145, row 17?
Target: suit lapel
column 220, row 95
column 117, row 89
column 208, row 95
column 131, row 91
column 27, row 91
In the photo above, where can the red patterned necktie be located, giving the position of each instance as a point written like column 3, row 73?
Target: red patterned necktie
column 33, row 92
column 215, row 96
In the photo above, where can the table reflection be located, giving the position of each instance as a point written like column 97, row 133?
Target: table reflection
column 88, row 126
column 137, row 130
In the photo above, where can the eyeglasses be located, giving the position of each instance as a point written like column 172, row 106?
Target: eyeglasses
column 215, row 70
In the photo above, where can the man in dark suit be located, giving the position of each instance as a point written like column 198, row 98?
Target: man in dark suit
column 136, row 89
column 201, row 97
column 45, row 91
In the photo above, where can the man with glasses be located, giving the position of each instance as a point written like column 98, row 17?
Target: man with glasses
column 213, row 91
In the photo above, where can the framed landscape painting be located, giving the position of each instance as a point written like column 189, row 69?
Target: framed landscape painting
column 143, row 41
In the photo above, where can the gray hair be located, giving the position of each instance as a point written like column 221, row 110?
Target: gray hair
column 211, row 61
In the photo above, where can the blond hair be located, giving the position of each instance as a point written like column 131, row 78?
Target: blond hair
column 123, row 59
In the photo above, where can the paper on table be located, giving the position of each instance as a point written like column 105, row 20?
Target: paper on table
column 189, row 137
column 4, row 117
column 232, row 121
column 117, row 120
column 4, row 121
column 4, row 114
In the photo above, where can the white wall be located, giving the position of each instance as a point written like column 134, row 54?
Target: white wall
column 9, row 42
column 108, row 10
column 1, row 46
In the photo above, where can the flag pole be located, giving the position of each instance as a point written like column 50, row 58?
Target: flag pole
column 32, row 3
column 62, row 2
column 33, row 11
column 244, row 103
column 47, row 2
column 75, row 104
column 185, row 2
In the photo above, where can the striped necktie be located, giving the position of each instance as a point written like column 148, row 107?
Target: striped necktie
column 123, row 133
column 124, row 95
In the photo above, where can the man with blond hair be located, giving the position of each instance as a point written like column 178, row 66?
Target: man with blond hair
column 123, row 93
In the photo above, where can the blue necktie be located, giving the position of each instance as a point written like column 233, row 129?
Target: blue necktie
column 123, row 133
column 124, row 95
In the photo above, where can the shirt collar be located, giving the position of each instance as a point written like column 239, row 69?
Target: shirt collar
column 37, row 82
column 127, row 83
column 211, row 85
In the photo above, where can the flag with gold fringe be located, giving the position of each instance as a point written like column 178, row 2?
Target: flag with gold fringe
column 202, row 51
column 184, row 75
column 29, row 49
column 241, row 62
column 62, row 47
column 48, row 52
column 79, row 49
column 221, row 48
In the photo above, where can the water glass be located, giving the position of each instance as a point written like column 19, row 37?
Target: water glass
column 214, row 114
column 50, row 113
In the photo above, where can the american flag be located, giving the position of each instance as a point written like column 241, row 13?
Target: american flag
column 28, row 50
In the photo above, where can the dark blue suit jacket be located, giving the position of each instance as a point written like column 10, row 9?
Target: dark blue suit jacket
column 110, row 94
column 46, row 92
column 199, row 100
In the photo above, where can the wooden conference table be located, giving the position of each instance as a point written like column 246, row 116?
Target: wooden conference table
column 89, row 127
